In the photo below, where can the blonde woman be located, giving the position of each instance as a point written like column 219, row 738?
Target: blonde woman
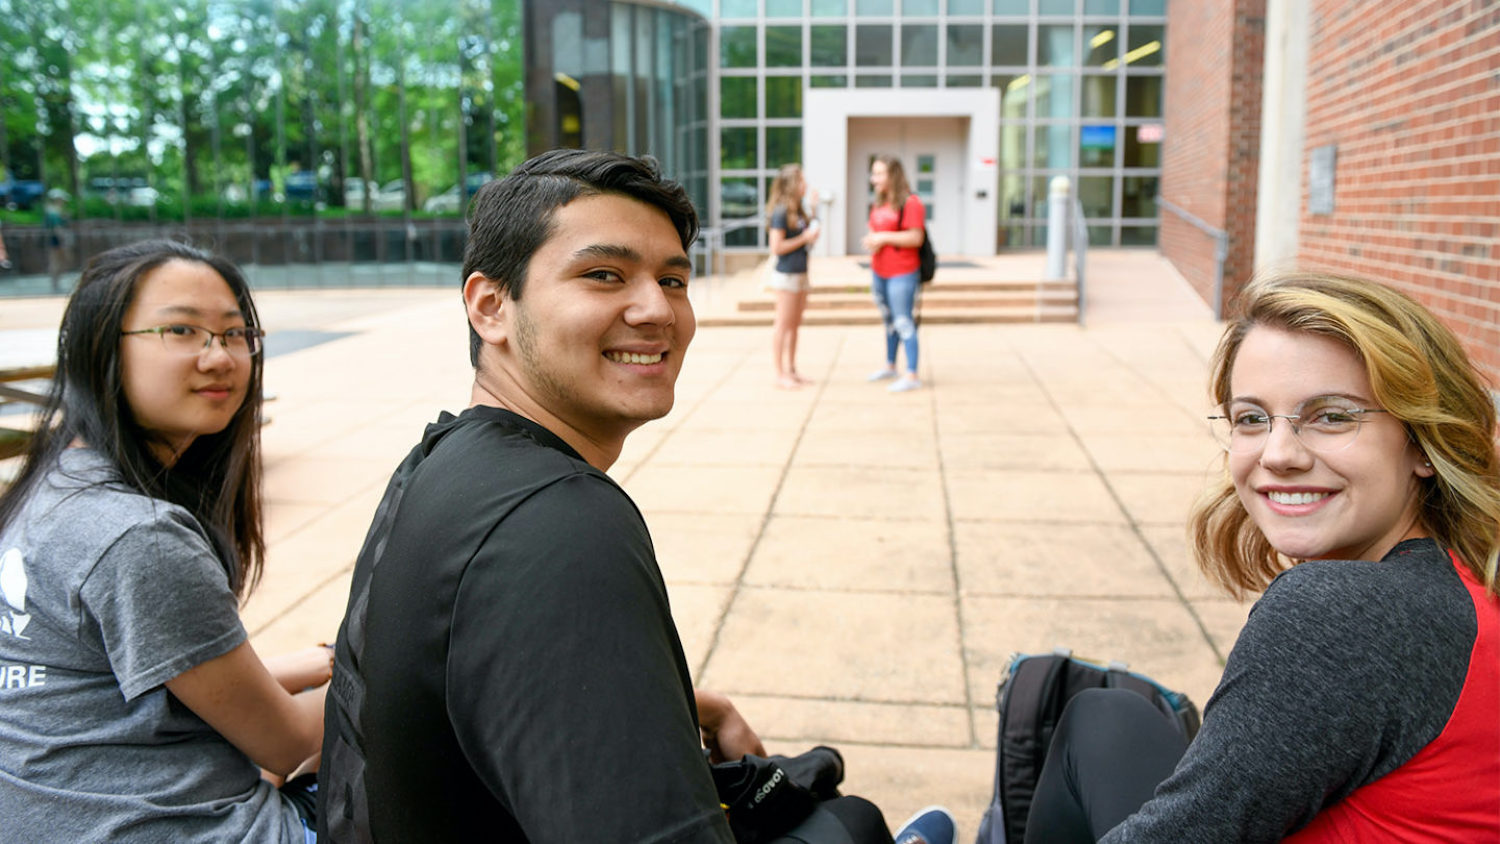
column 791, row 231
column 1361, row 494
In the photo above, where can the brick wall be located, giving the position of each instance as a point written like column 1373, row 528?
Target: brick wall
column 1409, row 92
column 1215, row 57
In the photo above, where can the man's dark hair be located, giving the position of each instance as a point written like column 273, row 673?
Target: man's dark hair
column 511, row 218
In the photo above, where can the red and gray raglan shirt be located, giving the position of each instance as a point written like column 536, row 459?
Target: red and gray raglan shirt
column 1361, row 703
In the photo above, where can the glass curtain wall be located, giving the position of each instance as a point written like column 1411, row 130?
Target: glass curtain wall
column 660, row 75
column 318, row 142
column 1080, row 81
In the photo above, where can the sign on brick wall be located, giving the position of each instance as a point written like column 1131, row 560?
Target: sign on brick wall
column 1320, row 169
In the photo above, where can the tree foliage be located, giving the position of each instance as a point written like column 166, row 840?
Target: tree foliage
column 227, row 107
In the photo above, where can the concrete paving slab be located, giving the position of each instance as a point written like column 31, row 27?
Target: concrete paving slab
column 703, row 548
column 821, row 552
column 1046, row 561
column 839, row 645
column 1016, row 495
column 860, row 492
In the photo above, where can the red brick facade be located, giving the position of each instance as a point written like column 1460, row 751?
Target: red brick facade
column 1409, row 93
column 1215, row 56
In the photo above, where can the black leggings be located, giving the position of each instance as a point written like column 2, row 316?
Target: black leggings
column 1111, row 749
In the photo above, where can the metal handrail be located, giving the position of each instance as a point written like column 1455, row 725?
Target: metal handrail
column 1079, row 231
column 1221, row 248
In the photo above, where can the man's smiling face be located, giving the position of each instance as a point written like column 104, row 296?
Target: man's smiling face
column 597, row 339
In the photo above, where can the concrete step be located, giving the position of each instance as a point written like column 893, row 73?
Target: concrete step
column 937, row 286
column 935, row 298
column 929, row 315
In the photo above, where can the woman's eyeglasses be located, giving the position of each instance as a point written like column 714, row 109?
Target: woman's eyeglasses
column 1322, row 424
column 190, row 340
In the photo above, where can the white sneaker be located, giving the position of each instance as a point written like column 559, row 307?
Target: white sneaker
column 881, row 375
column 907, row 382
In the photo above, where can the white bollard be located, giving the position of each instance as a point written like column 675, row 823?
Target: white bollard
column 1057, row 227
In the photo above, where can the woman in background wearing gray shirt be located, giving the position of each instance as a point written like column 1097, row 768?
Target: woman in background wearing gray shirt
column 134, row 708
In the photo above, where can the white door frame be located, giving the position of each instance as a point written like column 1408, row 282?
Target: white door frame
column 825, row 155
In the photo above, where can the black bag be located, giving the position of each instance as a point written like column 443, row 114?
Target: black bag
column 769, row 799
column 1031, row 697
column 926, row 258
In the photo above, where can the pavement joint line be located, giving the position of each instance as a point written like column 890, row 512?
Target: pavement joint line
column 304, row 598
column 951, row 531
column 1135, row 527
column 760, row 532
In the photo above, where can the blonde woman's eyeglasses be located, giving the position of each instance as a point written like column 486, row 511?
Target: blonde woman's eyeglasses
column 1322, row 424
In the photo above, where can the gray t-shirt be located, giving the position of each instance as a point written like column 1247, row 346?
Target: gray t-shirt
column 107, row 594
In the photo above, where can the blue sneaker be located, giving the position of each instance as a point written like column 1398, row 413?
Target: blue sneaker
column 932, row 825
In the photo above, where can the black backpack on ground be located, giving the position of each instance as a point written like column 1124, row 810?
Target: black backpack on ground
column 1031, row 697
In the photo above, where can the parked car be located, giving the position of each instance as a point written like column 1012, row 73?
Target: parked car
column 388, row 197
column 21, row 194
column 448, row 202
column 302, row 185
column 131, row 190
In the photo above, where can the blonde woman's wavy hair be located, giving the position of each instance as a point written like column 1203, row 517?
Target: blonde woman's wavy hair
column 1418, row 372
column 783, row 194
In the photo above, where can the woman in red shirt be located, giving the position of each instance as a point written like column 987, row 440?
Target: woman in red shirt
column 897, row 221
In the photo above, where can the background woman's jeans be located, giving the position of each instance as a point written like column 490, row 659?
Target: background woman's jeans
column 896, row 297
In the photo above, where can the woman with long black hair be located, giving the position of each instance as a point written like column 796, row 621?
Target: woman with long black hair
column 134, row 707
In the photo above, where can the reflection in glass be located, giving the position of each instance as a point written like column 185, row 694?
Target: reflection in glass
column 833, row 81
column 783, row 145
column 783, row 8
column 783, row 96
column 1008, row 45
column 1052, row 147
column 919, row 45
column 1054, row 46
column 829, row 45
column 872, row 80
column 1148, row 7
column 873, row 8
column 1144, row 47
column 963, row 81
column 737, row 96
column 1138, row 235
column 1055, row 7
column 1101, row 46
column 1054, row 96
column 1143, row 96
column 965, row 45
column 1097, row 194
column 1096, row 146
column 1098, row 96
column 737, row 147
column 1012, row 7
column 1012, row 145
column 919, row 7
column 965, row 7
column 783, row 46
column 736, row 46
column 737, row 8
column 1101, row 7
column 872, row 45
column 1138, row 196
column 829, row 8
column 919, row 80
column 1140, row 153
